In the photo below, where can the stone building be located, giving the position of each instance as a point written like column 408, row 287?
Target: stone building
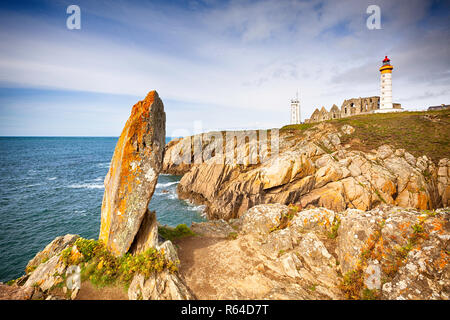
column 441, row 107
column 354, row 106
column 349, row 107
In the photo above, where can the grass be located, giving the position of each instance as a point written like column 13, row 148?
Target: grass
column 333, row 233
column 302, row 126
column 232, row 235
column 180, row 231
column 412, row 131
column 419, row 133
column 102, row 268
column 286, row 218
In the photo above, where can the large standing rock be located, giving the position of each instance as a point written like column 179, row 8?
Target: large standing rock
column 131, row 180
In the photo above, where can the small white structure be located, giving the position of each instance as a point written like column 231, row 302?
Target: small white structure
column 295, row 110
column 386, row 104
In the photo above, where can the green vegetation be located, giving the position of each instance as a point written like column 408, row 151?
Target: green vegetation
column 102, row 268
column 379, row 195
column 302, row 127
column 418, row 233
column 180, row 231
column 11, row 282
column 324, row 147
column 352, row 284
column 332, row 234
column 232, row 235
column 286, row 218
column 368, row 294
column 419, row 133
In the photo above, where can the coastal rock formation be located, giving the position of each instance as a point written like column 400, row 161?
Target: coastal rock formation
column 43, row 272
column 131, row 179
column 46, row 269
column 281, row 252
column 50, row 270
column 312, row 169
column 162, row 286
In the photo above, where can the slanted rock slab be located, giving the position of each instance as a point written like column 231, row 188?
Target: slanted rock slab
column 132, row 177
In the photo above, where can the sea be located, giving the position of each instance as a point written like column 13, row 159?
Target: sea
column 52, row 186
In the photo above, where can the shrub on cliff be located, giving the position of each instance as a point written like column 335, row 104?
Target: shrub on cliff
column 102, row 268
column 180, row 231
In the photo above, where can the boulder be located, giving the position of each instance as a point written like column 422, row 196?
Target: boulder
column 131, row 179
column 161, row 286
column 52, row 249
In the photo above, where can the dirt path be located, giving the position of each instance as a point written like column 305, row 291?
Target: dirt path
column 89, row 292
column 222, row 269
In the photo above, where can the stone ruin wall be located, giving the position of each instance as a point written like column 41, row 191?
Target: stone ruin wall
column 350, row 107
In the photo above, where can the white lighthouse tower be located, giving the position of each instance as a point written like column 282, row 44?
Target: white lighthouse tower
column 386, row 87
column 295, row 110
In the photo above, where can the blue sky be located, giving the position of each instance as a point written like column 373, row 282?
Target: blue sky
column 215, row 64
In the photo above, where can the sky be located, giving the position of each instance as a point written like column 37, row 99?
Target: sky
column 215, row 64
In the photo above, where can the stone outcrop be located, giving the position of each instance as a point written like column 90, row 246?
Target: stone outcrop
column 162, row 286
column 387, row 253
column 131, row 179
column 43, row 272
column 47, row 271
column 311, row 170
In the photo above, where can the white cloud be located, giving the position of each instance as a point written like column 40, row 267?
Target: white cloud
column 239, row 56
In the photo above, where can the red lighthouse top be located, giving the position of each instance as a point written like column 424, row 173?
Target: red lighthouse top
column 386, row 59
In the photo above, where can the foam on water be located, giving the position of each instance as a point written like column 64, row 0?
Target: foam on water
column 54, row 186
column 167, row 184
column 87, row 186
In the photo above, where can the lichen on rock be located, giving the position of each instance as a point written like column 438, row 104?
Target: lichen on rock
column 131, row 179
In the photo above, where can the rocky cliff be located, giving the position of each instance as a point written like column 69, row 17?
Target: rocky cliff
column 311, row 169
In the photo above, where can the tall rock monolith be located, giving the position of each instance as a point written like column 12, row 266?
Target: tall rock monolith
column 131, row 180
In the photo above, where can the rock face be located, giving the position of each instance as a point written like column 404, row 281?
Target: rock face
column 46, row 269
column 131, row 179
column 162, row 286
column 311, row 170
column 390, row 252
column 403, row 253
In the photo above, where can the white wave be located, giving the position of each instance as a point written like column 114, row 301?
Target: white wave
column 103, row 165
column 200, row 208
column 172, row 196
column 87, row 186
column 99, row 179
column 167, row 184
column 193, row 207
column 52, row 178
column 33, row 185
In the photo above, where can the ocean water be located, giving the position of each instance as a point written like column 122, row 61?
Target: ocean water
column 51, row 186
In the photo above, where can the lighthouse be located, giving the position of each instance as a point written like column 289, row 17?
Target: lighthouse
column 295, row 110
column 386, row 86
